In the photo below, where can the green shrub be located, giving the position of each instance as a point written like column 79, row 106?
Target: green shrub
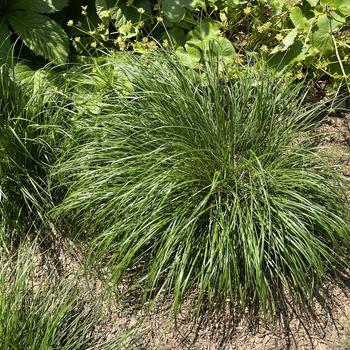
column 202, row 186
column 304, row 38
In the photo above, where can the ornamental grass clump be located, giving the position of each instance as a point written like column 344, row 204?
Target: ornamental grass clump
column 203, row 186
column 39, row 311
column 29, row 127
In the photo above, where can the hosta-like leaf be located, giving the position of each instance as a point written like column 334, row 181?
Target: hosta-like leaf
column 204, row 33
column 176, row 10
column 41, row 34
column 305, row 57
column 282, row 59
column 5, row 43
column 41, row 6
column 203, row 40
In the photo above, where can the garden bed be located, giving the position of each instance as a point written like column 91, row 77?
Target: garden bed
column 329, row 331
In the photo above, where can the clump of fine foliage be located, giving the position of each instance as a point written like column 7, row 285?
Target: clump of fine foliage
column 40, row 312
column 205, row 186
column 29, row 120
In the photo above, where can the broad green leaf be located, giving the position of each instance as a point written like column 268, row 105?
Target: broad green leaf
column 5, row 43
column 232, row 9
column 41, row 6
column 305, row 57
column 290, row 38
column 187, row 26
column 176, row 10
column 298, row 19
column 277, row 6
column 104, row 7
column 222, row 48
column 234, row 3
column 89, row 102
column 343, row 6
column 177, row 35
column 189, row 56
column 41, row 34
column 204, row 33
column 208, row 30
column 36, row 81
column 336, row 21
column 207, row 38
column 321, row 37
column 335, row 68
column 325, row 3
column 287, row 41
column 280, row 60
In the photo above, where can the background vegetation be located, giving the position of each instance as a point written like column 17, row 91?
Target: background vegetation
column 302, row 37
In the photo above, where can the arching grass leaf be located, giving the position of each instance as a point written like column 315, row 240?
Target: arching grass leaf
column 5, row 43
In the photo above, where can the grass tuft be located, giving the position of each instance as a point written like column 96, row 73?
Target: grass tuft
column 39, row 311
column 30, row 129
column 207, row 186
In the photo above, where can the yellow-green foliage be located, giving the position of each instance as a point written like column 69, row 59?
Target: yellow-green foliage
column 300, row 36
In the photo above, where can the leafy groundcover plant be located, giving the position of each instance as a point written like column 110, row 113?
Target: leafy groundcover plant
column 39, row 311
column 201, row 185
